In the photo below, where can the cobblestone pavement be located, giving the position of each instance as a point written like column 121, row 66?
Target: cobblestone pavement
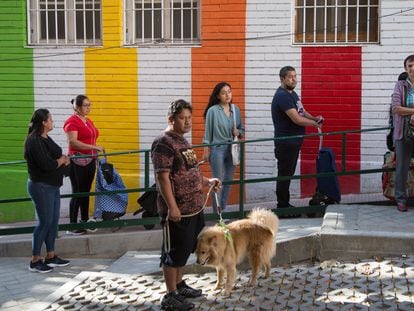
column 382, row 284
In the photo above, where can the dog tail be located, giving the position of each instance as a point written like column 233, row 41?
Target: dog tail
column 265, row 218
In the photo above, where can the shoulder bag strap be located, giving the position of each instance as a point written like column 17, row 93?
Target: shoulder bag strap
column 234, row 115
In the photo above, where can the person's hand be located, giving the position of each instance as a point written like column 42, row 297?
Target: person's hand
column 236, row 132
column 99, row 148
column 67, row 160
column 319, row 121
column 174, row 214
column 216, row 182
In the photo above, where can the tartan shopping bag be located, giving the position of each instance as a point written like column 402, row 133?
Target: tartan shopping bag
column 113, row 205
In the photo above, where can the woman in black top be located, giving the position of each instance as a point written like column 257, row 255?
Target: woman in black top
column 46, row 166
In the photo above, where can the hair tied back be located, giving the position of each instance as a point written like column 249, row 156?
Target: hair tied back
column 73, row 104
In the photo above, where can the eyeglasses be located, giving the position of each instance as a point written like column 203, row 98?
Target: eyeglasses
column 86, row 105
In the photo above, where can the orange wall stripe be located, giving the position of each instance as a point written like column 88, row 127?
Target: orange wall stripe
column 222, row 57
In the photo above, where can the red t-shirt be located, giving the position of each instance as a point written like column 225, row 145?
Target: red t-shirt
column 87, row 133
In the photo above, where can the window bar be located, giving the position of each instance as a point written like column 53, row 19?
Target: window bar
column 368, row 19
column 304, row 23
column 162, row 20
column 357, row 22
column 191, row 21
column 93, row 22
column 65, row 12
column 346, row 21
column 152, row 20
column 74, row 22
column 182, row 21
column 37, row 11
column 84, row 21
column 134, row 32
column 336, row 22
column 314, row 21
column 56, row 23
column 142, row 22
column 47, row 21
column 172, row 20
column 325, row 25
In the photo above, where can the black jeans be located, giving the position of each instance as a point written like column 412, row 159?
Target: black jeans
column 81, row 178
column 287, row 158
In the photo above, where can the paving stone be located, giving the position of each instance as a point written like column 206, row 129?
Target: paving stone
column 366, row 285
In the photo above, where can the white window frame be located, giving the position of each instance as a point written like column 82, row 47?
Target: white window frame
column 34, row 23
column 166, row 27
column 347, row 37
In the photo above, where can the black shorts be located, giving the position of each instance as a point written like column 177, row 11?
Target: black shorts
column 183, row 240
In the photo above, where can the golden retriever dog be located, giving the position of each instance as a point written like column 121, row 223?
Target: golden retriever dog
column 253, row 237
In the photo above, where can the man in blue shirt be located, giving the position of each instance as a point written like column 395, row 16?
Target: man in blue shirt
column 289, row 119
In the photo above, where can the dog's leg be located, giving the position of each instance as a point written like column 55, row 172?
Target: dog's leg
column 267, row 267
column 255, row 263
column 231, row 276
column 220, row 278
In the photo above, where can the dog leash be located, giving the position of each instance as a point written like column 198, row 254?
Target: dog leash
column 222, row 224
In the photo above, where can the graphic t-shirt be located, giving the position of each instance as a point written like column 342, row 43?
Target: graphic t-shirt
column 173, row 153
column 284, row 126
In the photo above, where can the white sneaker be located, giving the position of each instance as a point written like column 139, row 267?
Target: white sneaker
column 76, row 232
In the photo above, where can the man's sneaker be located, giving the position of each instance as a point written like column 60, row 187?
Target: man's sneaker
column 39, row 266
column 76, row 232
column 184, row 290
column 287, row 215
column 175, row 302
column 56, row 262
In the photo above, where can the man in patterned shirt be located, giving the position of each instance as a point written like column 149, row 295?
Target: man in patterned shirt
column 180, row 202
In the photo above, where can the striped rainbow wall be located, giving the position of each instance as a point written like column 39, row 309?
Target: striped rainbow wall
column 245, row 43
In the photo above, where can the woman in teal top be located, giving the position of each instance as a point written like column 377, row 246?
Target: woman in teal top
column 219, row 128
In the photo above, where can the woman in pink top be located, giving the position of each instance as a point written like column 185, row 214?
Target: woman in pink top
column 82, row 135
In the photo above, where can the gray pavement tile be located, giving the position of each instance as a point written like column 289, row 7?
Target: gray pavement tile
column 347, row 286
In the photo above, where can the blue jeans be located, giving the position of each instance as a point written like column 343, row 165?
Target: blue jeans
column 222, row 167
column 403, row 151
column 46, row 199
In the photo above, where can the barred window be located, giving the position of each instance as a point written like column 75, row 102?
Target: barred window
column 162, row 21
column 64, row 22
column 336, row 21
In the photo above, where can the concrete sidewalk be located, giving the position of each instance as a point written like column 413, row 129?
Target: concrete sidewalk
column 346, row 235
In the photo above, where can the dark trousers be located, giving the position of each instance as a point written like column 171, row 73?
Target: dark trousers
column 287, row 158
column 81, row 178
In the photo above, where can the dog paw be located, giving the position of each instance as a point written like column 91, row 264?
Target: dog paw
column 218, row 286
column 227, row 293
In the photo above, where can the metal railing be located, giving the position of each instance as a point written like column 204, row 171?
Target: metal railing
column 209, row 216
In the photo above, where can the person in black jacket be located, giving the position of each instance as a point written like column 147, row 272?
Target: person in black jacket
column 46, row 167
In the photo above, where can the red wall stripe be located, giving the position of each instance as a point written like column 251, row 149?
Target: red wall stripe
column 332, row 86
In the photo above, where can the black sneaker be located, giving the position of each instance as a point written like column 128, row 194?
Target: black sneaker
column 184, row 290
column 287, row 215
column 56, row 262
column 175, row 302
column 39, row 266
column 76, row 232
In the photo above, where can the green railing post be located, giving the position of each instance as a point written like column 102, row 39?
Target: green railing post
column 241, row 180
column 147, row 164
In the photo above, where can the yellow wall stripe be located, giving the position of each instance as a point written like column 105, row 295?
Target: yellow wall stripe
column 111, row 76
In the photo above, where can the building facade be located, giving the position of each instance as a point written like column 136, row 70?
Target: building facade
column 133, row 57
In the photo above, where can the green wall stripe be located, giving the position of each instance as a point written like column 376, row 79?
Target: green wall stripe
column 16, row 79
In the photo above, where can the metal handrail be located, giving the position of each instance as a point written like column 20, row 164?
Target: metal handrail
column 241, row 182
